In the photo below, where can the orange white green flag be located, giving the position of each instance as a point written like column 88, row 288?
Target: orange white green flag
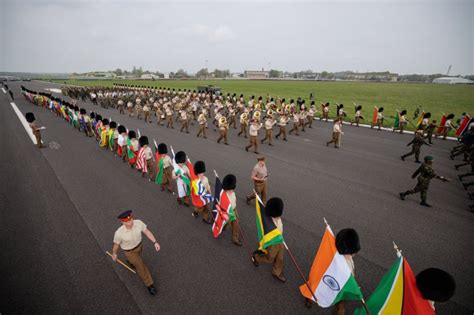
column 330, row 278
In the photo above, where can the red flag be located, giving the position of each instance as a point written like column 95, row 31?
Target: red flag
column 220, row 209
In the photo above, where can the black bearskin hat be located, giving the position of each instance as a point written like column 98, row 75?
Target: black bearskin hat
column 199, row 167
column 229, row 182
column 121, row 129
column 162, row 148
column 380, row 109
column 105, row 122
column 359, row 107
column 82, row 111
column 113, row 124
column 427, row 115
column 30, row 117
column 450, row 116
column 347, row 242
column 403, row 112
column 143, row 141
column 92, row 115
column 132, row 134
column 274, row 207
column 98, row 117
column 180, row 157
column 435, row 284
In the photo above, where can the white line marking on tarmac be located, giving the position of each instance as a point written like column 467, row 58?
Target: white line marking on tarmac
column 306, row 140
column 4, row 91
column 24, row 122
column 54, row 90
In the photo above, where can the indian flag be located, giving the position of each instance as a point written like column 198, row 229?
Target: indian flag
column 330, row 278
column 397, row 293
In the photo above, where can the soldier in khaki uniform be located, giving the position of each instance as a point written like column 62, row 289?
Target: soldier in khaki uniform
column 228, row 185
column 259, row 176
column 244, row 122
column 167, row 168
column 202, row 121
column 223, row 128
column 129, row 238
column 184, row 120
column 169, row 117
column 282, row 124
column 253, row 132
column 269, row 123
column 199, row 170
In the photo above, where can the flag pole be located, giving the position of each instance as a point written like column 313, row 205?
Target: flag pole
column 365, row 306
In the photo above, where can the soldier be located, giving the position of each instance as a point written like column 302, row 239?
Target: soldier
column 244, row 121
column 184, row 120
column 228, row 185
column 425, row 121
column 199, row 170
column 341, row 114
column 274, row 209
column 325, row 108
column 336, row 133
column 202, row 121
column 296, row 122
column 169, row 116
column 379, row 121
column 282, row 124
column 167, row 168
column 357, row 116
column 232, row 113
column 430, row 130
column 448, row 125
column 253, row 133
column 302, row 116
column 425, row 173
column 130, row 109
column 181, row 171
column 402, row 121
column 259, row 176
column 269, row 123
column 120, row 106
column 146, row 112
column 30, row 118
column 310, row 115
column 416, row 143
column 128, row 237
column 122, row 142
column 148, row 154
column 223, row 127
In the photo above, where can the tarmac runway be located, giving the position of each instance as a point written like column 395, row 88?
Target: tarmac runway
column 59, row 208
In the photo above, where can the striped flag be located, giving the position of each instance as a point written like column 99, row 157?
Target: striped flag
column 221, row 209
column 463, row 125
column 199, row 196
column 330, row 278
column 420, row 119
column 397, row 293
column 141, row 161
column 268, row 233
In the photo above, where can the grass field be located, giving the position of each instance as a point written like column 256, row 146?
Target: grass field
column 434, row 98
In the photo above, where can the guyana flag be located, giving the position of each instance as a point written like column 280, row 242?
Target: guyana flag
column 397, row 293
column 268, row 233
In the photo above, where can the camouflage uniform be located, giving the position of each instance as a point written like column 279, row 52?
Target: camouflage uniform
column 425, row 173
column 416, row 143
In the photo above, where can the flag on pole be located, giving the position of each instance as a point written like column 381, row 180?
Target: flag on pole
column 420, row 119
column 141, row 161
column 397, row 293
column 442, row 122
column 463, row 125
column 221, row 209
column 396, row 122
column 375, row 115
column 160, row 170
column 179, row 172
column 330, row 278
column 268, row 233
column 199, row 196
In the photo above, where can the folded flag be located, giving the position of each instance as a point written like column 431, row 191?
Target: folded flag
column 268, row 233
column 330, row 278
column 397, row 293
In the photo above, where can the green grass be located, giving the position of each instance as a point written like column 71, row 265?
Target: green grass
column 434, row 98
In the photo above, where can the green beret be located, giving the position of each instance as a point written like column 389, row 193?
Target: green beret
column 428, row 158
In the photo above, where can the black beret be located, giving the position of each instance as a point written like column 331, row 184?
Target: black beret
column 113, row 124
column 436, row 284
column 274, row 207
column 199, row 167
column 162, row 148
column 229, row 182
column 143, row 141
column 347, row 242
column 132, row 134
column 121, row 129
column 180, row 157
column 30, row 117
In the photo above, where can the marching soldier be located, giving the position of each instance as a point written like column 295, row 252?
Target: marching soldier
column 282, row 124
column 310, row 115
column 430, row 130
column 179, row 172
column 146, row 112
column 223, row 127
column 232, row 113
column 199, row 170
column 357, row 116
column 379, row 122
column 120, row 106
column 30, row 118
column 425, row 173
column 325, row 108
column 274, row 209
column 148, row 154
column 167, row 168
column 402, row 121
column 255, row 126
column 296, row 122
column 336, row 133
column 269, row 123
column 448, row 125
column 228, row 185
column 416, row 143
column 128, row 237
column 202, row 121
column 184, row 120
column 244, row 121
column 169, row 117
column 130, row 109
column 259, row 176
column 302, row 116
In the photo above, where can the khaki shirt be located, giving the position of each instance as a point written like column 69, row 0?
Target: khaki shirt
column 129, row 239
column 148, row 153
column 166, row 161
column 254, row 128
column 260, row 172
column 232, row 199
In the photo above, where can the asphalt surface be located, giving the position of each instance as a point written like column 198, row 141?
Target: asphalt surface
column 59, row 210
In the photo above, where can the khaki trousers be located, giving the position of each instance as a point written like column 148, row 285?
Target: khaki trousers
column 150, row 168
column 261, row 189
column 135, row 258
column 253, row 143
column 268, row 136
column 202, row 129
column 274, row 256
column 203, row 211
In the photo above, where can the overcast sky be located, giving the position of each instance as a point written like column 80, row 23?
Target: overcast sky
column 82, row 35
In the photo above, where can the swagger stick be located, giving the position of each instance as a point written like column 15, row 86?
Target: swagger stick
column 122, row 263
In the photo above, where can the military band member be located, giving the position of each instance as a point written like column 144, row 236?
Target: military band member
column 310, row 115
column 228, row 185
column 274, row 209
column 379, row 121
column 179, row 173
column 30, row 118
column 255, row 126
column 232, row 119
column 302, row 116
column 202, row 121
column 296, row 122
column 120, row 106
column 128, row 237
column 184, row 120
column 336, row 133
column 169, row 117
column 130, row 109
column 269, row 123
column 138, row 110
column 146, row 113
column 416, row 143
column 357, row 116
column 199, row 170
column 259, row 177
column 425, row 173
column 244, row 121
column 282, row 124
column 223, row 128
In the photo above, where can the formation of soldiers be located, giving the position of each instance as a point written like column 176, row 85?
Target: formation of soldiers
column 135, row 149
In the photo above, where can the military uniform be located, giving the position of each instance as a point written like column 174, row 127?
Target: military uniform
column 282, row 124
column 417, row 142
column 199, row 169
column 202, row 121
column 253, row 132
column 244, row 121
column 269, row 122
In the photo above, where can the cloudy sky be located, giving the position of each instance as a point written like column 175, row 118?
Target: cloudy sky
column 82, row 35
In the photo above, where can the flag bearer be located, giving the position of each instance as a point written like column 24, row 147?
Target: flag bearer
column 199, row 170
column 30, row 118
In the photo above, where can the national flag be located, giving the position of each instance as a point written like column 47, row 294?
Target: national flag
column 132, row 154
column 179, row 172
column 199, row 196
column 268, row 233
column 463, row 125
column 442, row 122
column 103, row 137
column 141, row 161
column 420, row 119
column 221, row 209
column 375, row 115
column 160, row 170
column 396, row 122
column 330, row 278
column 111, row 138
column 397, row 293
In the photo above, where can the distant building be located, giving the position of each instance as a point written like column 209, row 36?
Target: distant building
column 367, row 76
column 257, row 75
column 149, row 76
column 452, row 80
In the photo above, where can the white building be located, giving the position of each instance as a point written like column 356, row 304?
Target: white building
column 452, row 80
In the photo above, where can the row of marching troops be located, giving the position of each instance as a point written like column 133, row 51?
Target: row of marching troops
column 331, row 281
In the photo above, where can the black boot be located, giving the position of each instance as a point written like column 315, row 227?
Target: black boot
column 423, row 203
column 402, row 196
